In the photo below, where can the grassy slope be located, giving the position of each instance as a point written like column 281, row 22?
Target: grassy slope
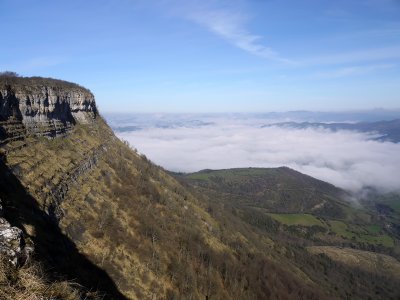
column 297, row 219
column 366, row 260
column 30, row 282
column 141, row 226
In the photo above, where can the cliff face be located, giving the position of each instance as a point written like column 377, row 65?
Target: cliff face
column 42, row 106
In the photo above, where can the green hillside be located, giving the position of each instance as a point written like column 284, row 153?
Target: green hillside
column 280, row 190
column 283, row 202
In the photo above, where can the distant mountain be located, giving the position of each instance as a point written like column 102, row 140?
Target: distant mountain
column 134, row 122
column 372, row 115
column 159, row 124
column 126, row 122
column 387, row 130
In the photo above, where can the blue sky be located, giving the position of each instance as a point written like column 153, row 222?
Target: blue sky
column 211, row 55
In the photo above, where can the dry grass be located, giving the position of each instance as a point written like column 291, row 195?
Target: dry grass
column 365, row 260
column 30, row 283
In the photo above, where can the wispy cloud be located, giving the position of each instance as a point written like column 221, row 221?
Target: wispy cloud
column 367, row 55
column 386, row 5
column 231, row 26
column 34, row 64
column 391, row 30
column 352, row 71
column 43, row 62
column 338, row 14
column 227, row 20
column 230, row 21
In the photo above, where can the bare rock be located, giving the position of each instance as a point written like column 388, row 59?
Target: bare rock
column 43, row 99
column 11, row 241
column 42, row 106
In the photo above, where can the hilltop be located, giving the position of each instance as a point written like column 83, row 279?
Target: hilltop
column 291, row 203
column 277, row 189
column 100, row 214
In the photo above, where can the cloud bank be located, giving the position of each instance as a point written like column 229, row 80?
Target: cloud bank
column 349, row 160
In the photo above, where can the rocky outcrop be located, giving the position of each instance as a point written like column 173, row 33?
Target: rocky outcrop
column 41, row 106
column 12, row 243
column 59, row 191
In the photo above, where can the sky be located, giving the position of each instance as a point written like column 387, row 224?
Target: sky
column 211, row 55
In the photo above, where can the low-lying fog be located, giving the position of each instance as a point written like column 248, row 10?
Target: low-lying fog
column 189, row 143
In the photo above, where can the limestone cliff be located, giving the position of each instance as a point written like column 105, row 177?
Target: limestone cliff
column 41, row 106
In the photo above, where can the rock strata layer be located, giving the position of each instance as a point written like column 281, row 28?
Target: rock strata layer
column 40, row 106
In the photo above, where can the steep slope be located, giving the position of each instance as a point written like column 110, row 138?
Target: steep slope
column 34, row 113
column 370, row 261
column 101, row 214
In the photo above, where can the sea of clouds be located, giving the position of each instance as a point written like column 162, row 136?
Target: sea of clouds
column 347, row 159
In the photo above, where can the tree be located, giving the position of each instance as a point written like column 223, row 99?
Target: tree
column 8, row 74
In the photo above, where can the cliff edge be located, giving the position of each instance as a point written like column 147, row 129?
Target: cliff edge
column 42, row 106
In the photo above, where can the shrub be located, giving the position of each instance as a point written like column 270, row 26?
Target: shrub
column 30, row 282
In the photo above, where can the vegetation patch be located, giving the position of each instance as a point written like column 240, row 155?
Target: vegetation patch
column 383, row 240
column 362, row 234
column 374, row 229
column 30, row 282
column 297, row 219
column 366, row 260
column 340, row 228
